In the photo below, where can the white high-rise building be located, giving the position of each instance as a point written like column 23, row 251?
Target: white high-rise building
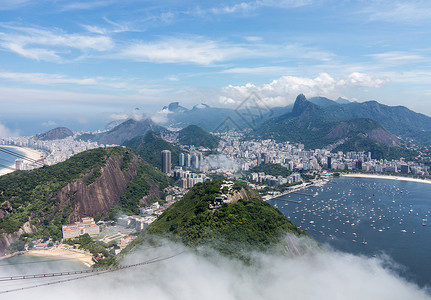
column 166, row 162
column 181, row 160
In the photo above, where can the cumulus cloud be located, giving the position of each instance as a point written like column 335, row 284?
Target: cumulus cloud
column 283, row 90
column 322, row 274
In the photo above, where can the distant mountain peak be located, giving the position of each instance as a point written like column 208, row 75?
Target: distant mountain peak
column 301, row 104
column 175, row 107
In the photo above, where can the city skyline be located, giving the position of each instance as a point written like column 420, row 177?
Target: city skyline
column 98, row 60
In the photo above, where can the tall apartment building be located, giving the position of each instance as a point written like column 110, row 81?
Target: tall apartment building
column 166, row 161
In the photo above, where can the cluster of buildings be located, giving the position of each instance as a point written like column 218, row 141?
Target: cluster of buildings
column 55, row 150
column 294, row 157
column 363, row 161
column 187, row 179
column 87, row 225
column 270, row 180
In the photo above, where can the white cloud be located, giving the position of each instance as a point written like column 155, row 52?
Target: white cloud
column 42, row 44
column 49, row 123
column 46, row 79
column 6, row 132
column 283, row 90
column 13, row 4
column 245, row 7
column 321, row 275
column 135, row 114
column 87, row 5
column 399, row 11
column 195, row 50
column 161, row 117
column 363, row 80
column 396, row 58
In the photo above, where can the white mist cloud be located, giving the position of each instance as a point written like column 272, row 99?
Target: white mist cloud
column 6, row 132
column 135, row 114
column 161, row 117
column 321, row 274
column 221, row 161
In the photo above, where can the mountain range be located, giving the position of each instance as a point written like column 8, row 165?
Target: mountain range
column 316, row 122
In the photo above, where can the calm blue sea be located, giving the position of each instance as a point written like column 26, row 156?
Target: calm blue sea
column 7, row 159
column 371, row 217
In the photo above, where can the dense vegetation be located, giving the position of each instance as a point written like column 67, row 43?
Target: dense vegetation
column 31, row 195
column 141, row 185
column 378, row 150
column 194, row 135
column 233, row 229
column 316, row 127
column 272, row 169
column 150, row 146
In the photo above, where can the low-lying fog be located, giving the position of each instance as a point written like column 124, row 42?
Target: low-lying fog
column 321, row 274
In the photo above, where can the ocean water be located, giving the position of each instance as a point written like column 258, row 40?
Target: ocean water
column 7, row 159
column 370, row 217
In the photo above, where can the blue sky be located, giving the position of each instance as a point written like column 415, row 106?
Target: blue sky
column 70, row 62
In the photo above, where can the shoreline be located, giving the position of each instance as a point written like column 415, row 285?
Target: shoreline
column 294, row 189
column 62, row 252
column 28, row 152
column 388, row 177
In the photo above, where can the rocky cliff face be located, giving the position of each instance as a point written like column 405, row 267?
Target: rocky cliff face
column 88, row 196
column 101, row 195
column 7, row 239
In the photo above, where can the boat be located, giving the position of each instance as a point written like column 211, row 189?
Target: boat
column 424, row 222
column 364, row 242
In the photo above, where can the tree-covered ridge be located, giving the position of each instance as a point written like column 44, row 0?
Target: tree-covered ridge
column 150, row 146
column 31, row 195
column 234, row 229
column 194, row 135
column 272, row 169
column 141, row 186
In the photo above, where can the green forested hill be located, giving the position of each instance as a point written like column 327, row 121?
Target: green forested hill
column 88, row 184
column 234, row 229
column 150, row 146
column 194, row 135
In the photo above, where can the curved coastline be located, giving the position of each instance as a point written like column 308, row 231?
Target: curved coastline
column 390, row 177
column 62, row 252
column 29, row 153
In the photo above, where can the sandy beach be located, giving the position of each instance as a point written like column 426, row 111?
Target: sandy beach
column 29, row 153
column 390, row 177
column 63, row 252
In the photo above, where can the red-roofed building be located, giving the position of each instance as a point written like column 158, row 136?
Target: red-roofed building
column 87, row 225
